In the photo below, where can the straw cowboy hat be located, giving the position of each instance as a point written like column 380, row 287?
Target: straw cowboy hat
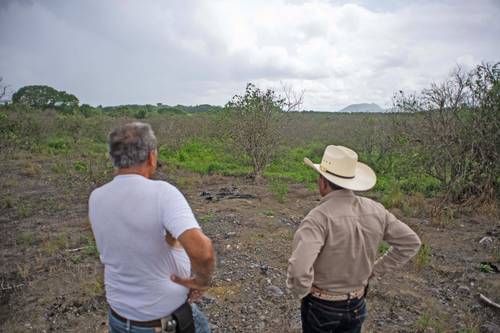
column 340, row 166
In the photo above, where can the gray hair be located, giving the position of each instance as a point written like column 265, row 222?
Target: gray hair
column 130, row 144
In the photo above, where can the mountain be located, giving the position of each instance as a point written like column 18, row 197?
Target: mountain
column 362, row 107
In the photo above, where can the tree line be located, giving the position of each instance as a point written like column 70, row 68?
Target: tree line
column 451, row 128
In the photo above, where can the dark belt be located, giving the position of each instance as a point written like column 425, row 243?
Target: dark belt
column 149, row 323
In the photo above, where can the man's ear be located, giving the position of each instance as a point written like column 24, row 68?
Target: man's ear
column 323, row 183
column 152, row 158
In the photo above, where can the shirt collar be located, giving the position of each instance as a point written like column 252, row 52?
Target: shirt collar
column 338, row 194
column 128, row 175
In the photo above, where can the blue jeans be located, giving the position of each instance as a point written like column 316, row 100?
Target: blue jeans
column 320, row 316
column 118, row 326
column 200, row 321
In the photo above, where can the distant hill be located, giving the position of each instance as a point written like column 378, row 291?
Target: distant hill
column 362, row 107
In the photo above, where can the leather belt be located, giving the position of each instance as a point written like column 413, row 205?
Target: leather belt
column 149, row 323
column 331, row 296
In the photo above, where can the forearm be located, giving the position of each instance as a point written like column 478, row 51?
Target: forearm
column 298, row 283
column 398, row 255
column 203, row 268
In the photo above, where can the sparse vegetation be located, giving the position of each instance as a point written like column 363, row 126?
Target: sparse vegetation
column 57, row 156
column 280, row 189
column 422, row 259
column 383, row 248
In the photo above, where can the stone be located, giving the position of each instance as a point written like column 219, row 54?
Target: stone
column 274, row 291
column 489, row 328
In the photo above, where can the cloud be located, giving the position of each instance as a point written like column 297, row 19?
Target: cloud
column 190, row 52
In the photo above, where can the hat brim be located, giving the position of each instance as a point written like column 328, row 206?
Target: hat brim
column 364, row 180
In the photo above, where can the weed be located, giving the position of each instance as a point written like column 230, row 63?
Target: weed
column 383, row 248
column 81, row 166
column 269, row 213
column 12, row 182
column 26, row 238
column 423, row 322
column 23, row 271
column 30, row 169
column 57, row 145
column 24, row 210
column 91, row 248
column 54, row 245
column 207, row 217
column 422, row 258
column 486, row 268
column 76, row 259
column 280, row 189
column 7, row 202
column 58, row 168
column 94, row 287
column 443, row 215
column 393, row 198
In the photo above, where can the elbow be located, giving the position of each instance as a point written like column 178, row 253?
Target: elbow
column 207, row 257
column 418, row 243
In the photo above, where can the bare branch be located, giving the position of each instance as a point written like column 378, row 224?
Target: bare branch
column 293, row 99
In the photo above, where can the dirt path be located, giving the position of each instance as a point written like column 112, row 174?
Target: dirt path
column 51, row 279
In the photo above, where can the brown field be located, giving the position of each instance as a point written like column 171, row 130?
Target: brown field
column 51, row 278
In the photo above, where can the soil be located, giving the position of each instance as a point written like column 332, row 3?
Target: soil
column 51, row 277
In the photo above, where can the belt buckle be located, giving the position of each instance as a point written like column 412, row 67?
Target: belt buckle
column 168, row 324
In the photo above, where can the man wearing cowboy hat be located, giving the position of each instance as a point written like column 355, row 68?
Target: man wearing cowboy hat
column 334, row 252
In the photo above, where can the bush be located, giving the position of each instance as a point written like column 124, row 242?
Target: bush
column 454, row 131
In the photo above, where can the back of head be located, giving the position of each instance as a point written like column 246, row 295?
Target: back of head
column 130, row 144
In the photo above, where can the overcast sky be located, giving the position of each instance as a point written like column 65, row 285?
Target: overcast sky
column 113, row 52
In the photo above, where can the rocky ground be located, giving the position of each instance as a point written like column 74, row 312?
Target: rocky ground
column 51, row 278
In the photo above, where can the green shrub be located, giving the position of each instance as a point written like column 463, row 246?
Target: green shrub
column 204, row 158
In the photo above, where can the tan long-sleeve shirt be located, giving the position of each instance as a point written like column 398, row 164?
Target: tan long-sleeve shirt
column 336, row 246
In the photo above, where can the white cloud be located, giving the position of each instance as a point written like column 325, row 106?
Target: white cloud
column 191, row 52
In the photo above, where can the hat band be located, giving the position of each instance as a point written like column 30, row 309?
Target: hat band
column 334, row 174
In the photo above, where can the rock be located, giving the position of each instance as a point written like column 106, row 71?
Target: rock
column 263, row 268
column 274, row 291
column 464, row 290
column 486, row 241
column 490, row 328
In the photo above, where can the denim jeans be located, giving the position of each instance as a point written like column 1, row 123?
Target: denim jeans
column 200, row 323
column 320, row 316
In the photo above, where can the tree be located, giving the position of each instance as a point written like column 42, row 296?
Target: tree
column 292, row 99
column 3, row 89
column 455, row 130
column 44, row 97
column 253, row 124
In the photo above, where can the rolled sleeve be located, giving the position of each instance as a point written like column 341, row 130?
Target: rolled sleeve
column 307, row 244
column 404, row 245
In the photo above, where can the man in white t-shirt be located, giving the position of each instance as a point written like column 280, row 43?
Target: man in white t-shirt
column 130, row 217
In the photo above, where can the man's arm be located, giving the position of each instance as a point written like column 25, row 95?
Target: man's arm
column 201, row 253
column 404, row 245
column 307, row 243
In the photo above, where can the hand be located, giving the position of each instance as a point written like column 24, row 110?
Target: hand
column 191, row 283
column 314, row 290
column 195, row 295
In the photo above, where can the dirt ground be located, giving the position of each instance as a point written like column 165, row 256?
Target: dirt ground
column 51, row 278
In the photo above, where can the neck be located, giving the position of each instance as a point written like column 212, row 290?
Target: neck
column 135, row 171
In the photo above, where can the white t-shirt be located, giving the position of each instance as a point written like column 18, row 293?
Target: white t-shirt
column 182, row 263
column 129, row 216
